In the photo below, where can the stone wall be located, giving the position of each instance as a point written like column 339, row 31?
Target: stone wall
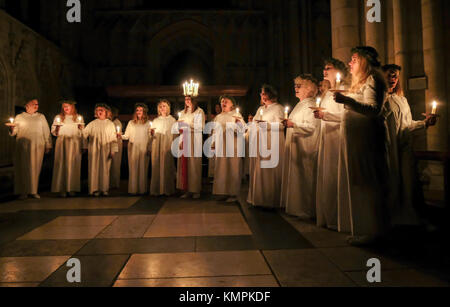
column 411, row 34
column 29, row 66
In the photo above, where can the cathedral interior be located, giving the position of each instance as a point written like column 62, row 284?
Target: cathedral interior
column 128, row 51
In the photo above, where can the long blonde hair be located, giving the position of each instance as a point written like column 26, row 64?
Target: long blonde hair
column 365, row 71
column 166, row 102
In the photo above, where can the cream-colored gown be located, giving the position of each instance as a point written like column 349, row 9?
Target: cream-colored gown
column 363, row 167
column 228, row 170
column 116, row 163
column 163, row 163
column 404, row 181
column 139, row 145
column 68, row 154
column 265, row 183
column 32, row 138
column 100, row 138
column 300, row 161
column 194, row 164
column 327, row 164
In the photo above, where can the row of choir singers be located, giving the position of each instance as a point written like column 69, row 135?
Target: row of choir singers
column 347, row 163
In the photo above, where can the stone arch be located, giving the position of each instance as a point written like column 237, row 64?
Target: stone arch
column 186, row 35
column 6, row 110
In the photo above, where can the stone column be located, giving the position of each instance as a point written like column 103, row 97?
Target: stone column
column 375, row 33
column 434, row 62
column 345, row 16
column 294, row 35
column 400, row 40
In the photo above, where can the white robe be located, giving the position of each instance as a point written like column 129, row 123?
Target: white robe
column 116, row 163
column 194, row 165
column 327, row 166
column 265, row 183
column 32, row 138
column 227, row 170
column 404, row 181
column 363, row 167
column 100, row 138
column 163, row 163
column 68, row 154
column 138, row 136
column 300, row 161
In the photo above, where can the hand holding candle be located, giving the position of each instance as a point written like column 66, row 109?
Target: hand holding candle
column 11, row 123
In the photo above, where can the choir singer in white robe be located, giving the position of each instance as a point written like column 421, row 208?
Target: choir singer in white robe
column 265, row 180
column 330, row 134
column 229, row 141
column 404, row 186
column 100, row 138
column 163, row 165
column 33, row 139
column 189, row 172
column 138, row 136
column 300, row 157
column 364, row 164
column 67, row 128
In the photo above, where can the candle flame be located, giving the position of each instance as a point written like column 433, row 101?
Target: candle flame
column 338, row 77
column 11, row 120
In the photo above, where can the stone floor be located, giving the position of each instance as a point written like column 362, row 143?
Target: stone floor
column 163, row 242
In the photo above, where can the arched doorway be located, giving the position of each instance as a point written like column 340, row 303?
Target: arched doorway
column 184, row 66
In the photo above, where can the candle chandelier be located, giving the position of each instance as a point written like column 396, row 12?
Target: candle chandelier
column 191, row 89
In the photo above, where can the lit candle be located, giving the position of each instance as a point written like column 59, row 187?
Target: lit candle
column 338, row 81
column 58, row 120
column 179, row 115
column 237, row 111
column 151, row 125
column 118, row 129
column 261, row 113
column 11, row 120
column 80, row 119
column 434, row 109
column 318, row 102
column 286, row 113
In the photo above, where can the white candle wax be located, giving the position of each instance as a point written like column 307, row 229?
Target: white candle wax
column 338, row 81
column 118, row 129
column 434, row 109
column 286, row 113
column 318, row 102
